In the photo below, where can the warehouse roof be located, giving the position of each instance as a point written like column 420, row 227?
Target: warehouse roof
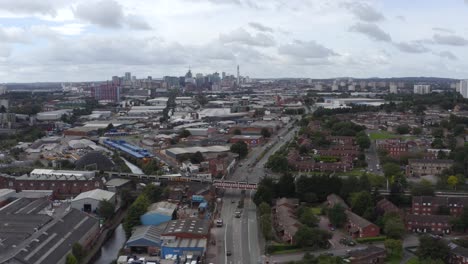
column 149, row 235
column 163, row 208
column 96, row 194
column 188, row 226
column 192, row 150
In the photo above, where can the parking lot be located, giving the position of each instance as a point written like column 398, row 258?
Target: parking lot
column 338, row 234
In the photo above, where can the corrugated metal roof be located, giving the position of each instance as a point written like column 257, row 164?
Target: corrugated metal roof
column 96, row 194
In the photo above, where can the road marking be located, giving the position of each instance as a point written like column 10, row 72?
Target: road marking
column 248, row 225
column 225, row 243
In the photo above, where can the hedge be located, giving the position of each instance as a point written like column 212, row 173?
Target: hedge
column 370, row 239
column 280, row 247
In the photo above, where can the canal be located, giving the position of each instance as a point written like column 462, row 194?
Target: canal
column 110, row 249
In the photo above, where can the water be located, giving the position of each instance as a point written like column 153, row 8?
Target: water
column 132, row 167
column 110, row 249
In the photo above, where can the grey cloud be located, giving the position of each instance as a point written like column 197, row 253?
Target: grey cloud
column 372, row 31
column 108, row 14
column 441, row 29
column 13, row 35
column 306, row 49
column 411, row 47
column 364, row 12
column 44, row 7
column 136, row 22
column 260, row 27
column 5, row 50
column 451, row 40
column 241, row 36
column 446, row 54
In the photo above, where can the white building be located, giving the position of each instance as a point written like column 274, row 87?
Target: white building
column 158, row 101
column 60, row 173
column 393, row 88
column 464, row 88
column 89, row 201
column 53, row 115
column 422, row 89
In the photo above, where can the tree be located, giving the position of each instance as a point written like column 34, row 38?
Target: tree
column 403, row 129
column 311, row 237
column 78, row 252
column 237, row 132
column 452, row 181
column 417, row 131
column 2, row 109
column 263, row 194
column 197, row 158
column 278, row 163
column 363, row 140
column 71, row 259
column 308, row 218
column 394, row 228
column 264, row 208
column 438, row 132
column 152, row 192
column 110, row 127
column 265, row 222
column 286, row 186
column 360, row 202
column 106, row 209
column 337, row 215
column 437, row 143
column 184, row 133
column 138, row 208
column 459, row 129
column 265, row 132
column 391, row 169
column 436, row 249
column 240, row 148
column 423, row 188
column 394, row 248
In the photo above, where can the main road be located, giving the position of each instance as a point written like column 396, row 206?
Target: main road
column 240, row 236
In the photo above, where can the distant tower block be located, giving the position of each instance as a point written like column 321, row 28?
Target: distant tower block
column 238, row 75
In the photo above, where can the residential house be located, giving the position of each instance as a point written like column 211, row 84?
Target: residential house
column 428, row 205
column 458, row 255
column 370, row 254
column 437, row 224
column 285, row 219
column 385, row 206
column 334, row 199
column 420, row 167
column 359, row 227
column 395, row 147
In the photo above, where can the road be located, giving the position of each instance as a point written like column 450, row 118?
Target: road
column 240, row 236
column 372, row 157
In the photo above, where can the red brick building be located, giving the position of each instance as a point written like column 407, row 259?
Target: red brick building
column 358, row 227
column 107, row 92
column 66, row 185
column 342, row 140
column 250, row 140
column 307, row 163
column 428, row 205
column 436, row 224
column 458, row 255
column 385, row 206
column 395, row 147
column 285, row 219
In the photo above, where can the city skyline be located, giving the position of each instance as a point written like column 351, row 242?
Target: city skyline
column 55, row 40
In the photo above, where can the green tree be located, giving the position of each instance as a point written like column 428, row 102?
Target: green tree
column 337, row 215
column 71, row 259
column 184, row 133
column 264, row 208
column 452, row 181
column 363, row 140
column 78, row 252
column 277, row 163
column 106, row 209
column 394, row 248
column 423, row 188
column 311, row 237
column 438, row 132
column 417, row 131
column 286, row 186
column 360, row 202
column 110, row 127
column 240, row 148
column 394, row 228
column 403, row 129
column 197, row 158
column 137, row 209
column 152, row 193
column 265, row 223
column 308, row 218
column 459, row 129
column 265, row 132
column 436, row 249
column 391, row 169
column 263, row 194
column 237, row 132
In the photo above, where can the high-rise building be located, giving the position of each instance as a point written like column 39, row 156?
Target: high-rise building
column 238, row 75
column 223, row 75
column 128, row 76
column 422, row 89
column 393, row 88
column 464, row 88
column 106, row 92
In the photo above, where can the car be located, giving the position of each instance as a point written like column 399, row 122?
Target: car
column 228, row 253
column 238, row 214
column 219, row 222
column 332, row 228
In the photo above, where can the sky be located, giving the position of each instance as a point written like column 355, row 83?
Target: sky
column 90, row 40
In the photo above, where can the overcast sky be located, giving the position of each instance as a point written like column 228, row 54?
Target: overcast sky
column 84, row 40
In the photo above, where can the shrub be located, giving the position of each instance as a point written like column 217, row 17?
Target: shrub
column 370, row 239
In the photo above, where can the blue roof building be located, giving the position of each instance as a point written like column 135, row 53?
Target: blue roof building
column 158, row 213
